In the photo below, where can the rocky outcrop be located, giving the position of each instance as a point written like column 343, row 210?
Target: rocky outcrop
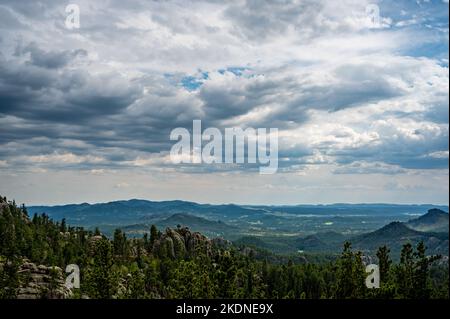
column 221, row 243
column 39, row 281
column 5, row 207
column 3, row 203
column 181, row 242
column 92, row 242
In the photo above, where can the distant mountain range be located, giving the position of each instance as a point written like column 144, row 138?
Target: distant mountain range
column 135, row 216
column 134, row 211
column 393, row 235
column 125, row 211
column 284, row 229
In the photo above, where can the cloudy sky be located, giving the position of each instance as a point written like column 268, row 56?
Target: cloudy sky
column 360, row 99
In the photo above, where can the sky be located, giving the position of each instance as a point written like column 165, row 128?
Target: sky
column 357, row 89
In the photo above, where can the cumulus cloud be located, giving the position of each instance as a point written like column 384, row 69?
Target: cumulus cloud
column 51, row 60
column 362, row 167
column 356, row 93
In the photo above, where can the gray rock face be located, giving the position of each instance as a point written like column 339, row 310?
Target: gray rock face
column 92, row 241
column 181, row 242
column 39, row 281
column 3, row 204
column 221, row 242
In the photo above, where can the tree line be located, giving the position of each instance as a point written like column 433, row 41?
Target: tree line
column 121, row 267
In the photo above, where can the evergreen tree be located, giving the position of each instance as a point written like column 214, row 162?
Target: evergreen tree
column 63, row 227
column 101, row 280
column 120, row 244
column 421, row 284
column 9, row 278
column 405, row 272
column 384, row 263
column 350, row 281
column 153, row 235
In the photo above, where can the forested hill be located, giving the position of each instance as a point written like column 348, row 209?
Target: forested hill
column 435, row 220
column 180, row 263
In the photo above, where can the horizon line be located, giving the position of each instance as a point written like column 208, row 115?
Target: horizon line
column 237, row 204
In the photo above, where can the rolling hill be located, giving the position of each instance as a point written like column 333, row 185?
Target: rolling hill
column 435, row 220
column 284, row 229
column 395, row 234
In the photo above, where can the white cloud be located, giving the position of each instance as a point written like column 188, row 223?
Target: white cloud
column 357, row 97
column 66, row 158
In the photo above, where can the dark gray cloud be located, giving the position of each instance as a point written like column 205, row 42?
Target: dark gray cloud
column 51, row 60
column 37, row 92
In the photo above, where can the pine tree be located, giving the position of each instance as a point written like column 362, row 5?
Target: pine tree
column 9, row 279
column 421, row 284
column 405, row 272
column 350, row 274
column 101, row 280
column 384, row 263
column 120, row 245
column 63, row 227
column 153, row 235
